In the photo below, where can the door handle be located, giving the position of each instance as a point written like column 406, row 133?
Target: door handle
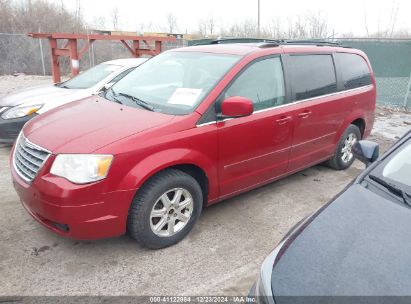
column 283, row 120
column 304, row 114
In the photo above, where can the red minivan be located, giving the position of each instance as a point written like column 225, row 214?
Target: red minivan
column 188, row 128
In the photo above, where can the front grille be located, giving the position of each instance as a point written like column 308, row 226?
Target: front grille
column 28, row 158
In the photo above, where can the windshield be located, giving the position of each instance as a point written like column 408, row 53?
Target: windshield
column 173, row 82
column 91, row 77
column 398, row 168
column 394, row 172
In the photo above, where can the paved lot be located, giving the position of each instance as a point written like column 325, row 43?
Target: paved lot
column 221, row 255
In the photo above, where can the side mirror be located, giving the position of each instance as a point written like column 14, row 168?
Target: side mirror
column 236, row 106
column 366, row 151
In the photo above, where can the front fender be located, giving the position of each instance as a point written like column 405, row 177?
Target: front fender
column 156, row 162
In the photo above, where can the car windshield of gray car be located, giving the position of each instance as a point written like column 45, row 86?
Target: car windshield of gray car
column 173, row 82
column 394, row 172
column 91, row 77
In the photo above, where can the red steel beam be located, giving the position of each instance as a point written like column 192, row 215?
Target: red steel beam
column 85, row 48
column 100, row 37
column 74, row 57
column 55, row 64
column 71, row 51
column 133, row 52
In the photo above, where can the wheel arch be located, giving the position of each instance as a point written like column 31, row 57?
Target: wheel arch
column 360, row 123
column 194, row 163
column 198, row 174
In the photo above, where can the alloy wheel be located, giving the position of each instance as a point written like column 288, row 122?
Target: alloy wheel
column 346, row 151
column 171, row 212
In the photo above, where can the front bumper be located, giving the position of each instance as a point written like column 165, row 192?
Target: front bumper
column 83, row 212
column 10, row 128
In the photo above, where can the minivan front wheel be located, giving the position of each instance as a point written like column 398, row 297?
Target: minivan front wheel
column 344, row 157
column 165, row 209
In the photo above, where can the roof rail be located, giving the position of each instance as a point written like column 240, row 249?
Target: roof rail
column 276, row 42
column 243, row 40
column 310, row 42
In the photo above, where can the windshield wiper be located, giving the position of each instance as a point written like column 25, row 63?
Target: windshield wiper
column 63, row 86
column 392, row 188
column 114, row 94
column 138, row 101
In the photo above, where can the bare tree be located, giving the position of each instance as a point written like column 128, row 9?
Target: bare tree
column 211, row 22
column 297, row 29
column 248, row 28
column 274, row 29
column 98, row 22
column 171, row 22
column 207, row 26
column 115, row 18
column 202, row 27
column 393, row 19
column 387, row 30
column 317, row 25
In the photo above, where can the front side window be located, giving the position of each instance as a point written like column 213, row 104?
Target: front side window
column 173, row 82
column 262, row 82
column 312, row 75
column 354, row 69
column 91, row 77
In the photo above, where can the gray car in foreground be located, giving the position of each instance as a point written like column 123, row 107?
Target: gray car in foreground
column 355, row 249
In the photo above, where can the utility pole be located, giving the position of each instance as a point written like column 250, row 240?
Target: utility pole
column 258, row 19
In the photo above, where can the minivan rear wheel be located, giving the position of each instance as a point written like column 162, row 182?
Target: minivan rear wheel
column 165, row 209
column 344, row 157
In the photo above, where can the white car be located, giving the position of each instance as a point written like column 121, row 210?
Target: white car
column 17, row 108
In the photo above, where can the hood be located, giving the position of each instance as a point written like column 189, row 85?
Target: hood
column 89, row 124
column 360, row 245
column 42, row 95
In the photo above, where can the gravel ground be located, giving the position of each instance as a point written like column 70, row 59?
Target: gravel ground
column 221, row 256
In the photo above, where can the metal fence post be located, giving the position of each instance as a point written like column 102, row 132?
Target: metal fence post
column 42, row 58
column 407, row 94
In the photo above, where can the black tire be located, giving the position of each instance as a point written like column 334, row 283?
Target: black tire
column 336, row 162
column 139, row 218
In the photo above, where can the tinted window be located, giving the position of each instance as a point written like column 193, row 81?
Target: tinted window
column 262, row 82
column 312, row 75
column 354, row 70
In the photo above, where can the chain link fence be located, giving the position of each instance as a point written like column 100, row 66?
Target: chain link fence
column 22, row 54
column 390, row 58
column 391, row 62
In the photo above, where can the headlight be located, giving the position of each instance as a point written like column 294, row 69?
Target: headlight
column 81, row 168
column 20, row 111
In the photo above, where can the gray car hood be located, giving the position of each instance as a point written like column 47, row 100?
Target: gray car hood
column 360, row 245
column 41, row 94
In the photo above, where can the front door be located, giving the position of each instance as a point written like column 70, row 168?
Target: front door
column 255, row 149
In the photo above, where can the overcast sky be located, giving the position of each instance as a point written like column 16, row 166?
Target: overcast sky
column 344, row 16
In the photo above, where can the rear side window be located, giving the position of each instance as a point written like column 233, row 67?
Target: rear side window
column 262, row 82
column 354, row 70
column 312, row 75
